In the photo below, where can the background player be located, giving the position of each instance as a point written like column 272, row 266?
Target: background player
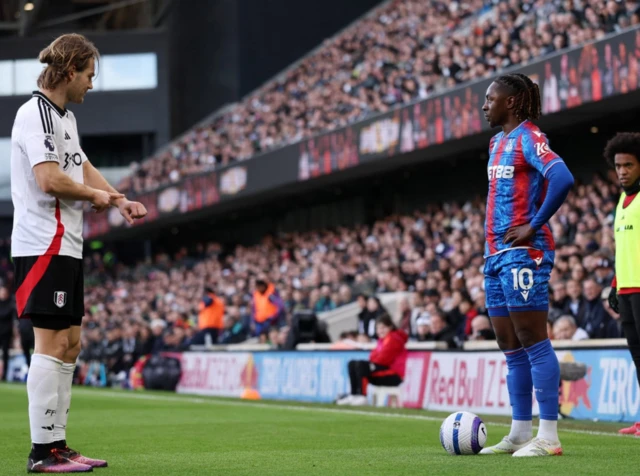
column 527, row 184
column 623, row 151
column 50, row 178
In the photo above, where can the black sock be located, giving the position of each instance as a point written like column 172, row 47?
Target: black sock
column 41, row 451
column 60, row 444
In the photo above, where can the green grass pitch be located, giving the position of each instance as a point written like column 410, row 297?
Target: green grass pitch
column 142, row 433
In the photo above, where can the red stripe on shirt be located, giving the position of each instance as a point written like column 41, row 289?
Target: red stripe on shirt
column 522, row 190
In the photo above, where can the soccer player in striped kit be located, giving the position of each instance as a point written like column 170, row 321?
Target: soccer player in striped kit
column 51, row 177
column 528, row 182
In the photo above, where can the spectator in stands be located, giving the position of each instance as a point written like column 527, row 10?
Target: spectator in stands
column 386, row 364
column 367, row 317
column 440, row 330
column 442, row 238
column 576, row 305
column 404, row 316
column 347, row 341
column 417, row 308
column 158, row 327
column 113, row 353
column 8, row 317
column 267, row 307
column 356, row 74
column 325, row 303
column 565, row 328
column 234, row 331
column 210, row 318
column 423, row 328
column 559, row 298
column 131, row 347
column 272, row 338
column 481, row 329
column 596, row 319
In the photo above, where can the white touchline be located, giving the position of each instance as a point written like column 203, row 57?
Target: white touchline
column 278, row 406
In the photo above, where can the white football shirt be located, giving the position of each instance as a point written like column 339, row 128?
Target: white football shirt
column 43, row 224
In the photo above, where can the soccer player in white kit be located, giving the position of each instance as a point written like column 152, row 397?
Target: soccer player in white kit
column 51, row 177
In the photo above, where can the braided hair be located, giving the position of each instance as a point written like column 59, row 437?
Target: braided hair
column 526, row 92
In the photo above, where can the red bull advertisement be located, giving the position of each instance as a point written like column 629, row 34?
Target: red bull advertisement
column 597, row 384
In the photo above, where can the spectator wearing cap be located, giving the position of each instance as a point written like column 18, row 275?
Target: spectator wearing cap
column 565, row 328
column 267, row 307
column 210, row 318
column 423, row 327
column 158, row 327
column 603, row 273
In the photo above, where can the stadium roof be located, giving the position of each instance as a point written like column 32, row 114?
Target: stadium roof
column 30, row 17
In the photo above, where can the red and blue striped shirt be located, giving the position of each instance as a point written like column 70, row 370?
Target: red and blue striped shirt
column 517, row 170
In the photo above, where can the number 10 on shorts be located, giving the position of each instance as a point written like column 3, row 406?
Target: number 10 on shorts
column 522, row 281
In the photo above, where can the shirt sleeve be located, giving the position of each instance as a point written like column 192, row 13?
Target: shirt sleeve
column 536, row 151
column 40, row 135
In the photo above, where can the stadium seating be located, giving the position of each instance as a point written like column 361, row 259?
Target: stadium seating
column 156, row 303
column 403, row 51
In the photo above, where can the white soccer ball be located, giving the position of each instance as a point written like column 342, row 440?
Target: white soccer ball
column 463, row 433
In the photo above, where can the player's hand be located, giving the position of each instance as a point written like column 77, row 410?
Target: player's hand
column 102, row 200
column 132, row 210
column 519, row 235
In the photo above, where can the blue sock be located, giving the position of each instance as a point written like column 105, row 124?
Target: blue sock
column 519, row 384
column 545, row 371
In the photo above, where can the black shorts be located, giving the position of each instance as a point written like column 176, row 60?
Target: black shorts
column 50, row 287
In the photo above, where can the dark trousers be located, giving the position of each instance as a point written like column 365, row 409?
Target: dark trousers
column 199, row 338
column 630, row 318
column 361, row 373
column 5, row 345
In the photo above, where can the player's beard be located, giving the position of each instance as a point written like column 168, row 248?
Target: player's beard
column 633, row 188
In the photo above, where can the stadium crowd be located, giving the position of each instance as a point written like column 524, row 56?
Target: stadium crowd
column 436, row 254
column 404, row 51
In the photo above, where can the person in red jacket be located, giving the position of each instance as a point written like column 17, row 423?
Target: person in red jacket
column 385, row 366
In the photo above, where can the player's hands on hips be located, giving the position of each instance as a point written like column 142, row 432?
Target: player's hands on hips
column 519, row 235
column 132, row 210
column 102, row 200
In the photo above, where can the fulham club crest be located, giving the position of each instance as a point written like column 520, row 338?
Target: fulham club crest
column 60, row 298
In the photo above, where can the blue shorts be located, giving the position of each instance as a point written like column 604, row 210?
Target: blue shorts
column 517, row 280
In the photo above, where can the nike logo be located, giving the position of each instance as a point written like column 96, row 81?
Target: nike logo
column 539, row 134
column 483, row 431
